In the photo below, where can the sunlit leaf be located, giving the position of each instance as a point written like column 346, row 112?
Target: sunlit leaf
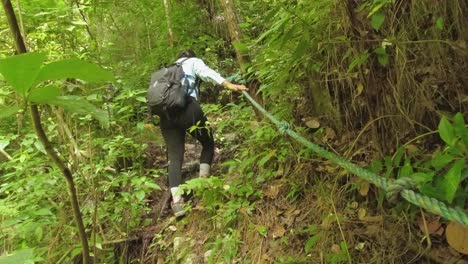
column 440, row 160
column 451, row 181
column 406, row 170
column 358, row 61
column 446, row 131
column 76, row 104
column 40, row 147
column 422, row 177
column 74, row 68
column 266, row 158
column 39, row 233
column 382, row 56
column 440, row 23
column 21, row 71
column 8, row 111
column 140, row 195
column 311, row 242
column 43, row 211
column 377, row 20
column 18, row 257
column 141, row 99
column 460, row 129
column 79, row 23
column 4, row 143
column 376, row 8
column 44, row 94
column 242, row 47
column 153, row 185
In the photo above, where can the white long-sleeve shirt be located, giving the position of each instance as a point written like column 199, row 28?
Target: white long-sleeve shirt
column 195, row 67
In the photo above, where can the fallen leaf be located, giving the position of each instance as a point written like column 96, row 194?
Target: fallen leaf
column 272, row 191
column 373, row 219
column 457, row 237
column 265, row 259
column 359, row 89
column 412, row 149
column 312, row 123
column 330, row 134
column 354, row 205
column 361, row 213
column 328, row 221
column 160, row 260
column 336, row 249
column 364, row 188
column 461, row 44
column 278, row 231
column 290, row 216
column 433, row 226
column 360, row 246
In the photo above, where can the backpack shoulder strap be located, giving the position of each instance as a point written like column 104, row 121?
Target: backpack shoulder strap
column 182, row 61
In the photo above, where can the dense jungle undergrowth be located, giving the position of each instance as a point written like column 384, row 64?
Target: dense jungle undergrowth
column 382, row 83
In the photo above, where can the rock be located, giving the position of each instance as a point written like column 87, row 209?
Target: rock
column 207, row 255
column 190, row 259
column 176, row 244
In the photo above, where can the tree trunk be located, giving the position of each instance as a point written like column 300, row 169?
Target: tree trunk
column 35, row 115
column 234, row 32
column 236, row 39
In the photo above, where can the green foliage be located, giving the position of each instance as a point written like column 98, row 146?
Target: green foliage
column 22, row 71
column 224, row 201
column 295, row 47
column 341, row 256
column 24, row 256
column 313, row 239
column 377, row 20
column 28, row 205
column 73, row 68
column 441, row 174
column 440, row 23
column 225, row 248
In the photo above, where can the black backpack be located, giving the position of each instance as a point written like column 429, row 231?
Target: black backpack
column 167, row 92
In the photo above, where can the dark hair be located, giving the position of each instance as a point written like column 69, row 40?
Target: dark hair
column 187, row 54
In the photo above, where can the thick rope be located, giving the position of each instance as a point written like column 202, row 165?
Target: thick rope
column 401, row 186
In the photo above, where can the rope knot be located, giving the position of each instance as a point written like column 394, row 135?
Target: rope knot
column 395, row 187
column 283, row 127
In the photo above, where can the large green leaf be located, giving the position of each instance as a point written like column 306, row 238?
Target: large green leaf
column 8, row 111
column 460, row 129
column 446, row 131
column 76, row 104
column 21, row 71
column 22, row 256
column 44, row 94
column 440, row 160
column 451, row 181
column 74, row 68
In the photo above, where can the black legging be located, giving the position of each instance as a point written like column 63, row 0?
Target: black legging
column 173, row 131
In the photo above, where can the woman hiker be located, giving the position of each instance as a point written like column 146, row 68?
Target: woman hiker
column 175, row 126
